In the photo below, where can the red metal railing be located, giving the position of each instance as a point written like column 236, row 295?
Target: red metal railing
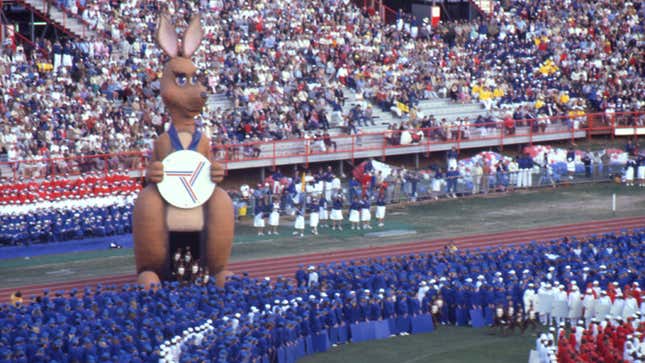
column 368, row 144
column 132, row 161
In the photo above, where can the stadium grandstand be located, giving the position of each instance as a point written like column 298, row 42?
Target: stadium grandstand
column 344, row 128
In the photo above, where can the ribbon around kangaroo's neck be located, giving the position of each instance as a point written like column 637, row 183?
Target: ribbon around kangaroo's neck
column 176, row 143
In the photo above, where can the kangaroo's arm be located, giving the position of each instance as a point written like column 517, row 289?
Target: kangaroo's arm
column 204, row 147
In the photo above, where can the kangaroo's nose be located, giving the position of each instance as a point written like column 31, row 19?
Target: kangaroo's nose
column 204, row 95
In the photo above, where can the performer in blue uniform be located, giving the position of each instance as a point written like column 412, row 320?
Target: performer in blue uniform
column 355, row 213
column 366, row 214
column 258, row 220
column 336, row 215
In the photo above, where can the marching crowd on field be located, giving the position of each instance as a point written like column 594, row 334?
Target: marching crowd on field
column 285, row 66
column 65, row 208
column 598, row 297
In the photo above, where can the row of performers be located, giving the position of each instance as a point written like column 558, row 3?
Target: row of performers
column 321, row 213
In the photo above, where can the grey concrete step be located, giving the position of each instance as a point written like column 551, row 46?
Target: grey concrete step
column 72, row 24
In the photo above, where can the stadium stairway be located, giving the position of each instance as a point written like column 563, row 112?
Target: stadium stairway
column 440, row 108
column 66, row 23
column 485, row 7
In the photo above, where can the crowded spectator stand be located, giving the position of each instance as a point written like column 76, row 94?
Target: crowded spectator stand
column 557, row 68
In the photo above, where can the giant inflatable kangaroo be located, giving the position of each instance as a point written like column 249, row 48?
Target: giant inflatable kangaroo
column 153, row 218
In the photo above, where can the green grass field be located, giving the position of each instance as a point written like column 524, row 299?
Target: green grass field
column 444, row 345
column 426, row 220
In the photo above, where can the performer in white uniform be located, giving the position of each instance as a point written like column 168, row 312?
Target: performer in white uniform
column 323, row 212
column 631, row 305
column 258, row 220
column 616, row 309
column 366, row 214
column 588, row 304
column 314, row 216
column 560, row 310
column 355, row 213
column 274, row 217
column 529, row 298
column 380, row 209
column 575, row 304
column 299, row 224
column 602, row 306
column 336, row 215
column 545, row 303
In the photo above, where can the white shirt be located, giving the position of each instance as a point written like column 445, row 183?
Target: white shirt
column 313, row 279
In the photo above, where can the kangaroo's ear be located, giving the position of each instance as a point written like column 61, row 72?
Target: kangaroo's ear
column 166, row 36
column 192, row 36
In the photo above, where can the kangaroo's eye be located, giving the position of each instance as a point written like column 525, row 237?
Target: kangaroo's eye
column 181, row 80
column 194, row 80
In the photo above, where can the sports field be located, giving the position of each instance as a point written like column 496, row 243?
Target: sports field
column 405, row 223
column 423, row 221
column 444, row 345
